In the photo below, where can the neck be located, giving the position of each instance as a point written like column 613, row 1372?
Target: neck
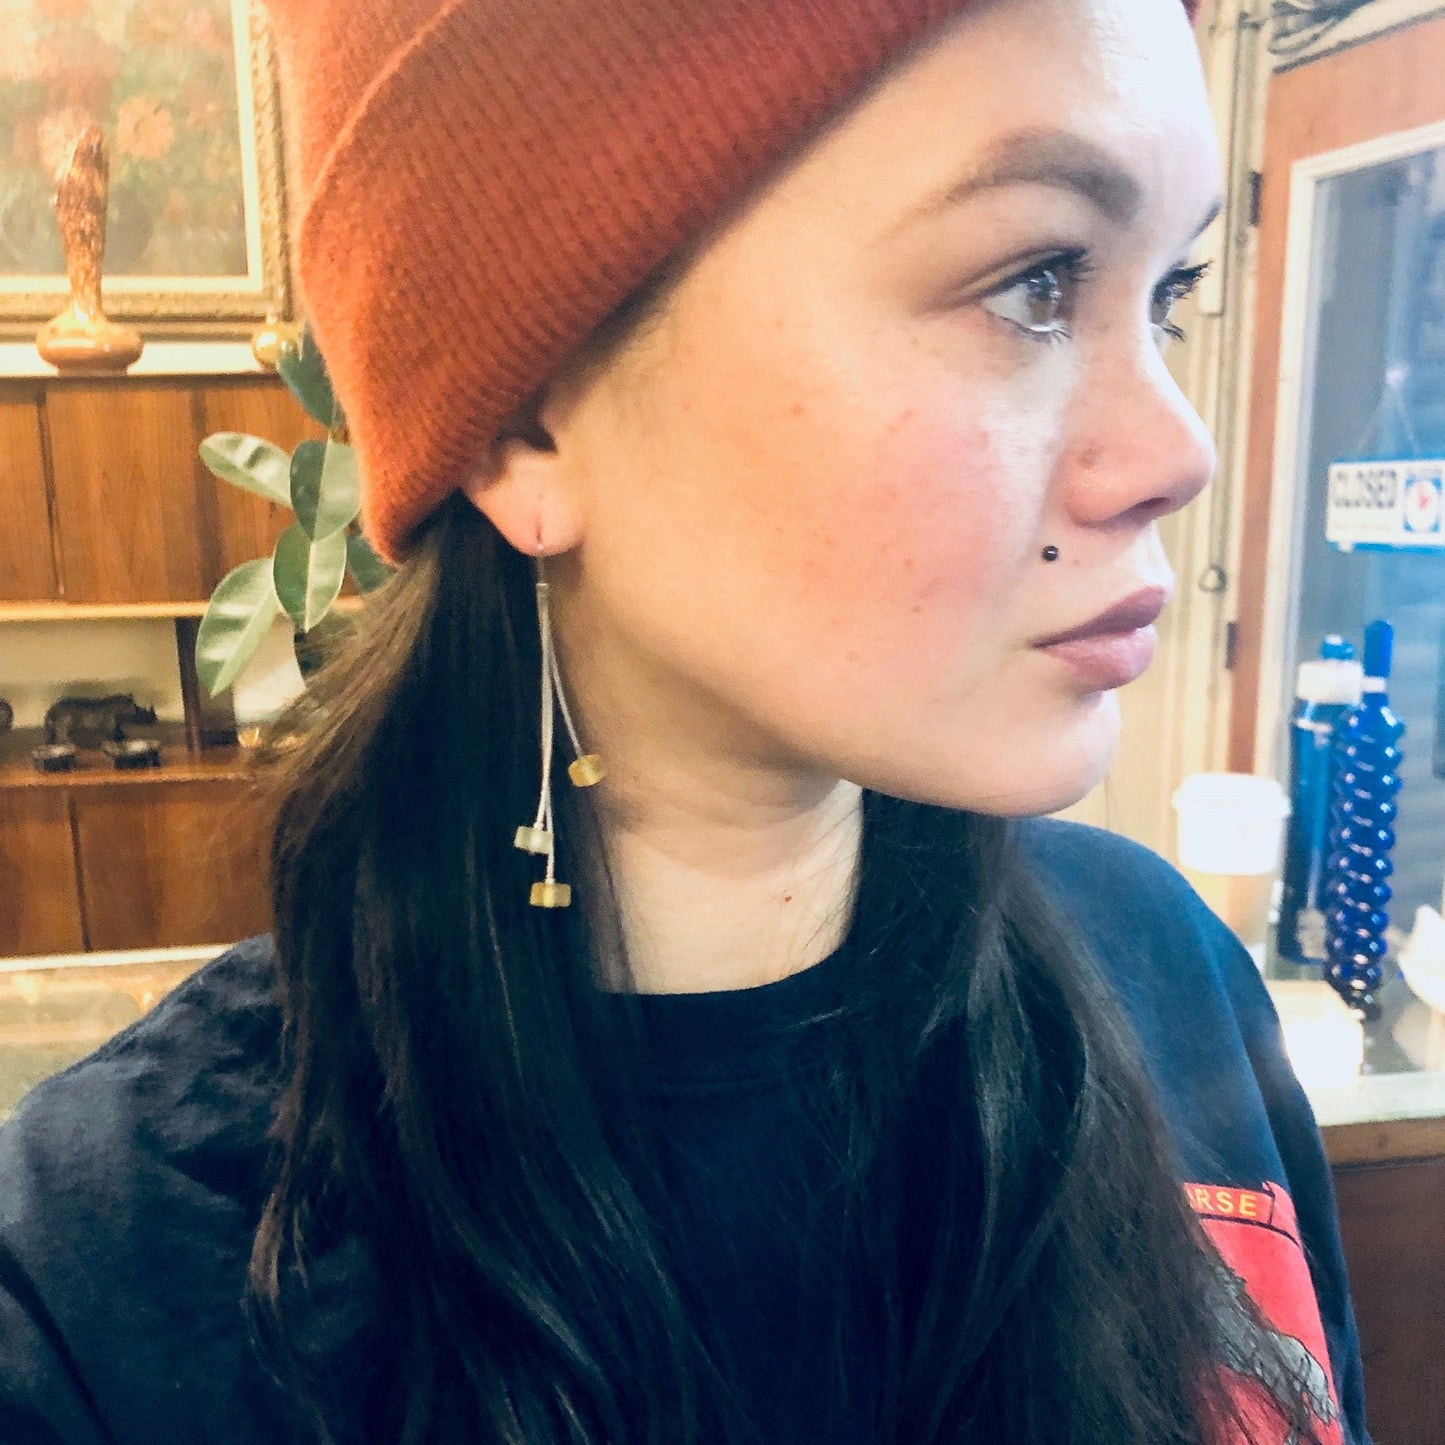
column 732, row 891
column 731, row 855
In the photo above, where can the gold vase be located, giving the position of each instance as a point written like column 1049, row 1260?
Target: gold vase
column 82, row 337
column 274, row 337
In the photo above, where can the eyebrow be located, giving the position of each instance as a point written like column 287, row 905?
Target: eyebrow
column 1057, row 158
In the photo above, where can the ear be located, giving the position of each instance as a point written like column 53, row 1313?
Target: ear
column 522, row 489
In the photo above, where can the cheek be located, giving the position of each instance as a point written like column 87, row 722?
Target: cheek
column 919, row 525
column 836, row 517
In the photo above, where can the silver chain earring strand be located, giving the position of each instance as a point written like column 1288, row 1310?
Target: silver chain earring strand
column 540, row 836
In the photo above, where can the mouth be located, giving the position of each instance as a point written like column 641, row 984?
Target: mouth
column 1117, row 646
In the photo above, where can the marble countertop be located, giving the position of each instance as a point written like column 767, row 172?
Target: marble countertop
column 1379, row 1099
column 1402, row 1076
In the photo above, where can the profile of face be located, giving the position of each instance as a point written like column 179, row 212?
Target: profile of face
column 797, row 528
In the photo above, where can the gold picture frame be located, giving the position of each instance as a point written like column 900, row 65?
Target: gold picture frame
column 252, row 189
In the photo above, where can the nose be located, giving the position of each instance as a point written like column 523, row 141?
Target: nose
column 1140, row 449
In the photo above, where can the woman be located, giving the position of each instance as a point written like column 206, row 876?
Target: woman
column 775, row 1077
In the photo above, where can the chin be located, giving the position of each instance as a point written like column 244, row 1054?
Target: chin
column 1072, row 765
column 1044, row 766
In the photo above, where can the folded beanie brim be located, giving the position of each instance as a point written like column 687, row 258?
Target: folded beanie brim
column 485, row 180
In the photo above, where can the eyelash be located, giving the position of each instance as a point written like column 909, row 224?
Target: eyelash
column 1076, row 267
column 1179, row 283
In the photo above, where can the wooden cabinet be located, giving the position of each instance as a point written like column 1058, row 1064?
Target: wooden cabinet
column 109, row 511
column 123, row 458
column 1392, row 1222
column 108, row 502
column 27, row 558
column 175, row 861
column 108, row 862
column 39, row 886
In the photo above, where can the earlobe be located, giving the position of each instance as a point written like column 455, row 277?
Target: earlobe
column 520, row 490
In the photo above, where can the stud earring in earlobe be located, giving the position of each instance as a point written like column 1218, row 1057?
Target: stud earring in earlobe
column 586, row 769
column 1050, row 553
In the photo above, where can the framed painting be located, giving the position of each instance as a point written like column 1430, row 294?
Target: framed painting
column 186, row 93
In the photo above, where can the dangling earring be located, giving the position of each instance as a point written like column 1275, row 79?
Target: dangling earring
column 586, row 769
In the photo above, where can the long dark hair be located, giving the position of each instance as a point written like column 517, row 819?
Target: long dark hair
column 457, row 1098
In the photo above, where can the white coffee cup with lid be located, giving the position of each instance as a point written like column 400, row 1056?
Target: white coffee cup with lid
column 1230, row 835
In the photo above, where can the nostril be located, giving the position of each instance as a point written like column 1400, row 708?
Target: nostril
column 1157, row 508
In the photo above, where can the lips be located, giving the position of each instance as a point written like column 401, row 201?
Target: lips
column 1114, row 648
column 1139, row 609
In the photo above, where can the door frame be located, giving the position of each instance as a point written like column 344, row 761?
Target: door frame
column 1393, row 84
column 1293, row 414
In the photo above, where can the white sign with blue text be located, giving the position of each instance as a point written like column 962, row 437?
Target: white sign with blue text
column 1385, row 504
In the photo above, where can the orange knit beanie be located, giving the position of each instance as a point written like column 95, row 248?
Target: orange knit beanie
column 483, row 181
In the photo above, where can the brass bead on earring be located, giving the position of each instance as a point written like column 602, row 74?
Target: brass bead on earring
column 1050, row 553
column 539, row 836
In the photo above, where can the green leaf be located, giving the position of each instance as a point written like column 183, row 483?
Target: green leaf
column 325, row 487
column 368, row 569
column 247, row 461
column 307, row 574
column 240, row 611
column 307, row 462
column 304, row 372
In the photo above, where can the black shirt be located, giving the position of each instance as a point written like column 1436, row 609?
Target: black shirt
column 131, row 1182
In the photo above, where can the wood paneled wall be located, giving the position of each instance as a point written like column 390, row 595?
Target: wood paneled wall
column 106, row 498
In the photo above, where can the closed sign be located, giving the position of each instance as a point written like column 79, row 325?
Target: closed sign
column 1385, row 504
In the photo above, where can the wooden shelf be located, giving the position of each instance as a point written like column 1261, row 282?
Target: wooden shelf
column 93, row 769
column 1384, row 1141
column 94, row 611
column 99, row 611
column 163, row 357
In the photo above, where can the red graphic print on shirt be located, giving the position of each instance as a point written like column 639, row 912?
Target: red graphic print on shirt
column 1256, row 1234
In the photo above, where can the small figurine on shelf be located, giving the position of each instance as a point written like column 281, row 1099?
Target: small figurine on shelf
column 88, row 722
column 132, row 753
column 82, row 337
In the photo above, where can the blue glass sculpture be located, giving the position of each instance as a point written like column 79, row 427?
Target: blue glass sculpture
column 1367, row 779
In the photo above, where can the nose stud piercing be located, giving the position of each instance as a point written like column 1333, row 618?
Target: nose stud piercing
column 1050, row 554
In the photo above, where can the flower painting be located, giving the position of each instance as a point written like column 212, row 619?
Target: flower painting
column 184, row 93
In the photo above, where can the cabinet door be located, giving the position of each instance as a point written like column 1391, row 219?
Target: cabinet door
column 168, row 864
column 39, row 894
column 27, row 558
column 1392, row 1222
column 124, row 458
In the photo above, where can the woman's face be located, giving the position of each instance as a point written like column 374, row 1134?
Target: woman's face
column 809, row 507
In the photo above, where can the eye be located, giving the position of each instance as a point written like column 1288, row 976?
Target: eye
column 1042, row 300
column 1178, row 284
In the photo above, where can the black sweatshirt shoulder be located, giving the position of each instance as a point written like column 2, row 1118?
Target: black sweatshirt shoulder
column 131, row 1183
column 130, row 1186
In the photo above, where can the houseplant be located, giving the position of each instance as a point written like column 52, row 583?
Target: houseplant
column 302, row 577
